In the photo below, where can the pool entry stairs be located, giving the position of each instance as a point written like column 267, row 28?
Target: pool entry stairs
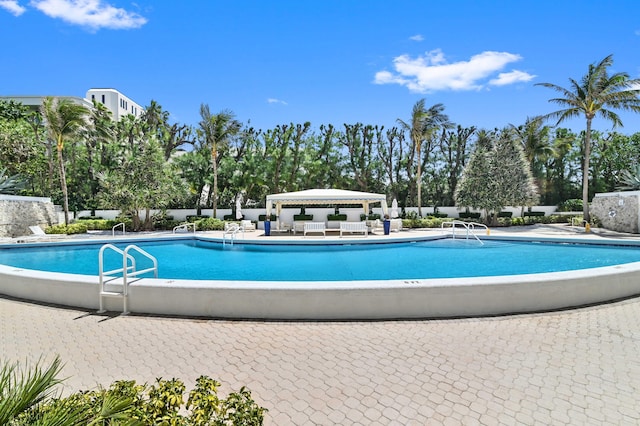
column 115, row 283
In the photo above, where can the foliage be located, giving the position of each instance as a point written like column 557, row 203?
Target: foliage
column 497, row 176
column 10, row 184
column 630, row 179
column 141, row 183
column 27, row 398
column 336, row 217
column 595, row 95
column 210, row 224
column 70, row 229
column 302, row 217
column 571, row 205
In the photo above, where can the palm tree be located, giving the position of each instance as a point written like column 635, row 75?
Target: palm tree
column 216, row 130
column 63, row 119
column 424, row 124
column 596, row 92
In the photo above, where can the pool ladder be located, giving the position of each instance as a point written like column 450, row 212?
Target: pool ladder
column 125, row 273
column 468, row 226
column 231, row 230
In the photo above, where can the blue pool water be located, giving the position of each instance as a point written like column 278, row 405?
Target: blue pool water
column 202, row 260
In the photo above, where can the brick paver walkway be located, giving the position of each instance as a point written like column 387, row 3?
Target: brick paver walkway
column 571, row 367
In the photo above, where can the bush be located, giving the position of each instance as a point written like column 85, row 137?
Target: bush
column 72, row 228
column 210, row 224
column 336, row 217
column 193, row 218
column 572, row 205
column 505, row 214
column 124, row 402
column 469, row 215
column 372, row 216
column 438, row 215
column 90, row 218
column 530, row 214
column 262, row 217
column 302, row 217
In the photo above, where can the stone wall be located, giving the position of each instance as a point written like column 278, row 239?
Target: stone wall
column 18, row 213
column 618, row 211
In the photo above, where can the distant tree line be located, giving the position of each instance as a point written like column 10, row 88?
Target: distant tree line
column 84, row 160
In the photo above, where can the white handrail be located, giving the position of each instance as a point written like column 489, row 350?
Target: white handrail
column 113, row 230
column 231, row 229
column 127, row 271
column 185, row 226
column 469, row 227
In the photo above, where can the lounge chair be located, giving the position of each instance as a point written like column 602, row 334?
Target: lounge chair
column 314, row 227
column 38, row 235
column 247, row 225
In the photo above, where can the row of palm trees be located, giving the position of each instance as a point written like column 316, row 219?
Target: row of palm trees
column 596, row 94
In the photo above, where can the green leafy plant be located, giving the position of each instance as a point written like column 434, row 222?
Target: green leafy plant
column 11, row 184
column 630, row 180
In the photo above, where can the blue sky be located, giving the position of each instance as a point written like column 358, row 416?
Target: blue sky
column 332, row 61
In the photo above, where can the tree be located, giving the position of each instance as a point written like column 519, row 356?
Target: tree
column 592, row 97
column 216, row 130
column 498, row 175
column 423, row 126
column 63, row 120
column 140, row 184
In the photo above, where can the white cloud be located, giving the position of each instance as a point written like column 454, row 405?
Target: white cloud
column 94, row 14
column 515, row 76
column 13, row 7
column 417, row 37
column 276, row 101
column 431, row 72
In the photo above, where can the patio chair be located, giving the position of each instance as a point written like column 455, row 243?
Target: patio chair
column 37, row 234
column 247, row 225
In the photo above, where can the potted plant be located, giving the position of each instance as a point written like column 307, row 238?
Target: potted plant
column 386, row 224
column 267, row 226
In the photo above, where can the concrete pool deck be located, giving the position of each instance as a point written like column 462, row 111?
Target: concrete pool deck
column 569, row 367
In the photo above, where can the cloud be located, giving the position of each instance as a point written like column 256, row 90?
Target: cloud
column 13, row 7
column 93, row 14
column 432, row 72
column 417, row 37
column 515, row 76
column 276, row 101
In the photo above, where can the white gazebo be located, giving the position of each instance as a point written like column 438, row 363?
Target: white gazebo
column 325, row 196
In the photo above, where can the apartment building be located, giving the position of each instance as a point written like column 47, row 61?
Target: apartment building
column 119, row 104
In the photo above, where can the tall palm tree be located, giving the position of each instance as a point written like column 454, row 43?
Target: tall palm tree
column 216, row 130
column 424, row 124
column 63, row 120
column 592, row 97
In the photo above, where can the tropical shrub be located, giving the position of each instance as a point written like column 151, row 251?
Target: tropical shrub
column 72, row 228
column 210, row 224
column 572, row 205
column 27, row 398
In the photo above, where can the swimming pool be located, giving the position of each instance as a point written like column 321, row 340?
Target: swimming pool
column 195, row 259
column 344, row 298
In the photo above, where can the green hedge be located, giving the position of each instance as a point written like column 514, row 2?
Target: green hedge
column 262, row 217
column 533, row 214
column 302, row 217
column 372, row 216
column 336, row 217
column 209, row 224
column 469, row 215
column 505, row 214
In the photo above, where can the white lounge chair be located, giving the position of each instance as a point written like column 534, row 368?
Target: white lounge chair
column 314, row 227
column 38, row 235
column 354, row 228
column 247, row 225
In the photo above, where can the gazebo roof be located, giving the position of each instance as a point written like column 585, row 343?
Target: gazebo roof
column 326, row 196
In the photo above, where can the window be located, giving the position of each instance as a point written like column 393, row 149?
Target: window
column 103, row 99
